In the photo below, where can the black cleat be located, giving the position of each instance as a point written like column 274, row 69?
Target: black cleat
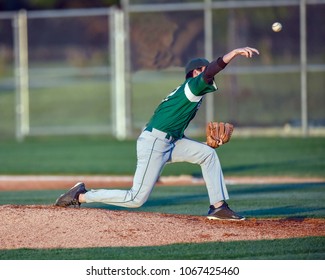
column 223, row 213
column 70, row 198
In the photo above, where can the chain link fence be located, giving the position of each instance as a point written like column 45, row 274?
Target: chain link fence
column 105, row 70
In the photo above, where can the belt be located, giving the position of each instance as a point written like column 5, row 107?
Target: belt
column 160, row 134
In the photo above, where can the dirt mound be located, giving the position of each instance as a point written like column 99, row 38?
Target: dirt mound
column 36, row 226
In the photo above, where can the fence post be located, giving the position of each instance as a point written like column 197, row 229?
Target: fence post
column 128, row 91
column 21, row 74
column 118, row 74
column 303, row 67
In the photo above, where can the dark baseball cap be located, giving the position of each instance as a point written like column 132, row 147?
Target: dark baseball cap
column 195, row 64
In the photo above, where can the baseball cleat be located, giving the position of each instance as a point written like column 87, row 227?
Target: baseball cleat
column 223, row 213
column 70, row 198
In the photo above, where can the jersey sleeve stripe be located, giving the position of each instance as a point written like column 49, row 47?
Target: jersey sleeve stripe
column 215, row 86
column 190, row 96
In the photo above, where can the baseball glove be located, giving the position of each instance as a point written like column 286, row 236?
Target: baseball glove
column 218, row 133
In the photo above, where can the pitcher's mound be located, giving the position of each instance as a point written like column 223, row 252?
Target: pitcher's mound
column 36, row 226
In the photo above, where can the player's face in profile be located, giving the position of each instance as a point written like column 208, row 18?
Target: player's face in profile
column 198, row 71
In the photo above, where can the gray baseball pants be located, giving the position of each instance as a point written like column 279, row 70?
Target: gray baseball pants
column 154, row 150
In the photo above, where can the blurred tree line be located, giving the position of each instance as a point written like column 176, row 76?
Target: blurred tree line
column 14, row 5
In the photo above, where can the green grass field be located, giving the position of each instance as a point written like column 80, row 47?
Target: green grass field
column 298, row 157
column 310, row 248
column 303, row 157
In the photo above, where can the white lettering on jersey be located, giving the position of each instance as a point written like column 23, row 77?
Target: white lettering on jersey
column 171, row 94
column 190, row 96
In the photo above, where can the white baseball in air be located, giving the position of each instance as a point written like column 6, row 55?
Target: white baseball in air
column 276, row 27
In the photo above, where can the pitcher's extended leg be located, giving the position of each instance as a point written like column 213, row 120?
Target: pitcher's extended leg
column 152, row 154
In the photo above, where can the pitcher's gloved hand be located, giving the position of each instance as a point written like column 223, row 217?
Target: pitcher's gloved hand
column 218, row 133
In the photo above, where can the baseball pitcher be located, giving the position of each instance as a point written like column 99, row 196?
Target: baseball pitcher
column 163, row 141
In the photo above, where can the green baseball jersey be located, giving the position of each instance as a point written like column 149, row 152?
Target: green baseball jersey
column 175, row 112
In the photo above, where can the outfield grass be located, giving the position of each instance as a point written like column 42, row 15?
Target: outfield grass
column 310, row 248
column 102, row 155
